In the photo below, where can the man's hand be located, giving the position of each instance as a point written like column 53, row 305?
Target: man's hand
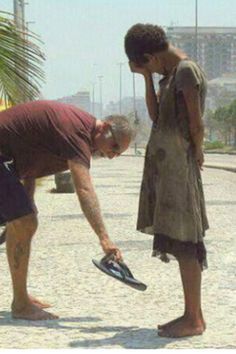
column 138, row 69
column 199, row 157
column 90, row 206
column 109, row 248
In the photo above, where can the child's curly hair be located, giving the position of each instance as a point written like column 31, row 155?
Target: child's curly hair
column 144, row 38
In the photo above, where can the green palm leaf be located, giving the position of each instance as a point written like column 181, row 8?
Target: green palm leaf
column 21, row 62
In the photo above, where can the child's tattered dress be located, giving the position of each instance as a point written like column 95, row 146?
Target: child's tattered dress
column 172, row 205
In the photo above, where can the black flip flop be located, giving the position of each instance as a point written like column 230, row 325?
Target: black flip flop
column 120, row 271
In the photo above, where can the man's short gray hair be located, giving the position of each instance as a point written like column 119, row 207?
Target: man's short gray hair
column 121, row 127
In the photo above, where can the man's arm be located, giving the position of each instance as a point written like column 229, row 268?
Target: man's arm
column 150, row 94
column 90, row 205
column 196, row 126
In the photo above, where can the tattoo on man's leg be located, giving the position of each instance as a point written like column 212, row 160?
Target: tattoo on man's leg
column 19, row 251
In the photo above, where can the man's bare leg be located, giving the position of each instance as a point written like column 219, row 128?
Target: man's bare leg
column 192, row 322
column 30, row 188
column 19, row 235
column 41, row 304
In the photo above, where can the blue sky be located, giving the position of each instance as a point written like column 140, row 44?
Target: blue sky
column 84, row 38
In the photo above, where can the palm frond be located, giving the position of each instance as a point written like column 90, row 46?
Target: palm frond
column 21, row 61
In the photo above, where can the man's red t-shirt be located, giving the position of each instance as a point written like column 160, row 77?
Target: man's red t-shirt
column 41, row 136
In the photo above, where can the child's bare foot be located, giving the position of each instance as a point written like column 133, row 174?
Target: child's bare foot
column 171, row 323
column 167, row 324
column 32, row 312
column 41, row 305
column 182, row 328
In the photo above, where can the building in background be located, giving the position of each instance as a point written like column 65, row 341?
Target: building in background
column 216, row 47
column 81, row 99
column 128, row 107
column 141, row 121
column 221, row 91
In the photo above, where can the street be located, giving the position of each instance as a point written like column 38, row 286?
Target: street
column 97, row 311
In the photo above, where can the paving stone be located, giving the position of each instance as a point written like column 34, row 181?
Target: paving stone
column 97, row 311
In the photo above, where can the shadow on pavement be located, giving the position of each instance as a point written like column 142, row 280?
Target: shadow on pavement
column 221, row 202
column 123, row 193
column 110, row 175
column 81, row 216
column 126, row 337
column 105, row 186
column 7, row 320
column 135, row 244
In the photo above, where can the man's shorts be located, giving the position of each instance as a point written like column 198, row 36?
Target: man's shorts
column 14, row 202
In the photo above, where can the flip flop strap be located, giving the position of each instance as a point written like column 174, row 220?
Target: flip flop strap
column 122, row 272
column 110, row 258
column 125, row 269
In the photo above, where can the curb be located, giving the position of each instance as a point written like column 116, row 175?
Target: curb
column 217, row 167
column 206, row 152
column 221, row 167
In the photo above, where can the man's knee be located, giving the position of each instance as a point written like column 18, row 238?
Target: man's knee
column 25, row 225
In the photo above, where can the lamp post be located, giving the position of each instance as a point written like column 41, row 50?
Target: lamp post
column 134, row 97
column 19, row 19
column 136, row 120
column 120, row 102
column 100, row 77
column 93, row 98
column 93, row 83
column 19, row 14
column 196, row 30
column 27, row 25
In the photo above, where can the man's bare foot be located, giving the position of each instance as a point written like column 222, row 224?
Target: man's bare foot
column 41, row 305
column 32, row 312
column 183, row 328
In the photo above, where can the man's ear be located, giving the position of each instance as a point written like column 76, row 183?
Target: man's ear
column 148, row 57
column 105, row 126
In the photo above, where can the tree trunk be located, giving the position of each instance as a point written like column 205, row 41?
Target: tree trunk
column 235, row 137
